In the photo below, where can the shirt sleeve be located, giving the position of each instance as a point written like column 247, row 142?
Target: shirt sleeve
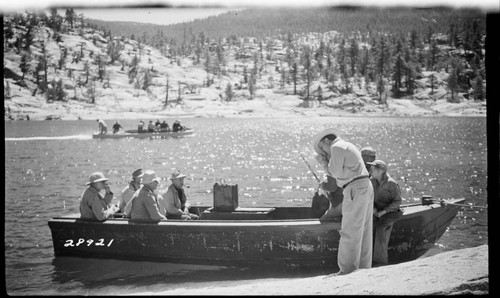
column 395, row 192
column 336, row 164
column 99, row 211
column 152, row 208
column 108, row 197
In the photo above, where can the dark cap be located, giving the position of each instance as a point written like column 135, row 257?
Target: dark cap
column 137, row 173
column 368, row 151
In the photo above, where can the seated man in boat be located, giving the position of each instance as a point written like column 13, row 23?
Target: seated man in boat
column 103, row 128
column 164, row 126
column 144, row 203
column 116, row 127
column 177, row 126
column 175, row 203
column 151, row 126
column 92, row 204
column 140, row 126
column 386, row 209
column 368, row 155
column 133, row 185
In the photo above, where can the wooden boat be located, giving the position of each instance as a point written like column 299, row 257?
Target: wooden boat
column 289, row 236
column 135, row 134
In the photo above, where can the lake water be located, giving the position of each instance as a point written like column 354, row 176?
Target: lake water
column 47, row 164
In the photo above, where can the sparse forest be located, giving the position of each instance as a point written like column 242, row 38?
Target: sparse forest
column 319, row 53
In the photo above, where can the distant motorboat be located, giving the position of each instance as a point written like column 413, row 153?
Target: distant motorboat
column 145, row 134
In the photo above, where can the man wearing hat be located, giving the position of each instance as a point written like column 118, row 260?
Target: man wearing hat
column 103, row 128
column 368, row 155
column 175, row 200
column 144, row 203
column 386, row 209
column 133, row 185
column 343, row 161
column 92, row 204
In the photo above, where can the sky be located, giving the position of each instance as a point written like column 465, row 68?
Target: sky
column 490, row 5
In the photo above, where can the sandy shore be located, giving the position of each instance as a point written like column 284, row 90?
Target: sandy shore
column 458, row 272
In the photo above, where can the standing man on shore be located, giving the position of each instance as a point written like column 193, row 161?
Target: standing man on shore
column 343, row 161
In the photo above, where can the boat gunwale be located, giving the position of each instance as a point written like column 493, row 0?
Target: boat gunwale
column 415, row 208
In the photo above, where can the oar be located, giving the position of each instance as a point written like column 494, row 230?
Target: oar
column 309, row 166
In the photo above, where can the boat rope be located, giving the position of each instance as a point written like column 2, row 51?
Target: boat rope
column 309, row 166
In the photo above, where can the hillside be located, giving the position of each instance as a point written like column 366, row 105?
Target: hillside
column 60, row 68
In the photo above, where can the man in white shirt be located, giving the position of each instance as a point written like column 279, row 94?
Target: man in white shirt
column 343, row 161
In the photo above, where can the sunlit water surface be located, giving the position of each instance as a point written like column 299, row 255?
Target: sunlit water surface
column 47, row 165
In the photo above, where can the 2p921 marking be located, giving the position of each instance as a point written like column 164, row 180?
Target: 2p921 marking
column 88, row 242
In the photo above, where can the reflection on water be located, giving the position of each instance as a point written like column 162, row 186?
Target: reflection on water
column 442, row 157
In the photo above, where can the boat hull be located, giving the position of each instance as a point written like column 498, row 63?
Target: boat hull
column 296, row 240
column 159, row 134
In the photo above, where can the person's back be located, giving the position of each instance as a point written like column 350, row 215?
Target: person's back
column 176, row 126
column 116, row 127
column 103, row 128
column 151, row 126
column 140, row 126
column 145, row 202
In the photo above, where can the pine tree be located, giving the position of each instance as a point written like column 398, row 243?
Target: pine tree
column 25, row 64
column 478, row 85
column 70, row 16
column 353, row 55
column 399, row 67
column 455, row 70
column 342, row 64
column 307, row 63
column 294, row 73
column 229, row 92
column 166, row 92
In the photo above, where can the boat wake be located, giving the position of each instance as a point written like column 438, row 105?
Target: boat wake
column 42, row 138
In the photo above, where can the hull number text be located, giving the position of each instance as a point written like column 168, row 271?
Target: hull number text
column 88, row 242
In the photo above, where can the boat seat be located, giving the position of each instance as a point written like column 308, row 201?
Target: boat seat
column 240, row 213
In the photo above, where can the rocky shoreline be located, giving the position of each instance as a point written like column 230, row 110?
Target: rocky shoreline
column 458, row 272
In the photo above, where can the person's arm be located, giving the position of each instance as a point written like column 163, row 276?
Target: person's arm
column 170, row 204
column 99, row 211
column 125, row 197
column 108, row 197
column 336, row 163
column 395, row 192
column 152, row 208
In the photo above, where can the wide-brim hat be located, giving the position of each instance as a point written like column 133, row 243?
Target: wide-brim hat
column 150, row 177
column 378, row 164
column 318, row 137
column 96, row 177
column 177, row 175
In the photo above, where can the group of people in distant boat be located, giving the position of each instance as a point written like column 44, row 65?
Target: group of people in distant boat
column 160, row 126
column 141, row 127
column 139, row 200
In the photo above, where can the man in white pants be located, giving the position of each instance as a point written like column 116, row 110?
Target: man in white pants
column 343, row 161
